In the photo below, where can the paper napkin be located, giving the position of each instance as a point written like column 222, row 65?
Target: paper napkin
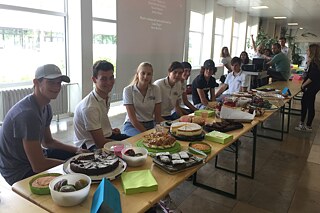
column 138, row 181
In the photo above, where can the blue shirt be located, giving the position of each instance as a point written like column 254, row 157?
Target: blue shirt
column 26, row 121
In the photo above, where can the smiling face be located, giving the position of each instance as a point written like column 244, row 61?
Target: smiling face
column 48, row 88
column 104, row 81
column 186, row 73
column 145, row 75
column 175, row 75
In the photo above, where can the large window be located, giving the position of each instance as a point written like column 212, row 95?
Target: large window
column 29, row 38
column 218, row 39
column 104, row 30
column 195, row 38
column 236, row 50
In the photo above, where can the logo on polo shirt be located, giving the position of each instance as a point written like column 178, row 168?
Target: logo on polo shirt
column 152, row 98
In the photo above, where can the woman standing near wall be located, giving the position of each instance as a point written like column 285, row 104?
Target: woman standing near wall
column 225, row 59
column 142, row 100
column 310, row 88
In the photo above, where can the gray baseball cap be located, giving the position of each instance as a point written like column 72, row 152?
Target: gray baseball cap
column 50, row 71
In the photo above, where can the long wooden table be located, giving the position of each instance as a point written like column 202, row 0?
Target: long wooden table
column 137, row 202
column 294, row 87
column 11, row 202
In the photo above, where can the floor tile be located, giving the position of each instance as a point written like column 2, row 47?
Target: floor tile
column 305, row 200
column 314, row 156
column 310, row 177
column 241, row 207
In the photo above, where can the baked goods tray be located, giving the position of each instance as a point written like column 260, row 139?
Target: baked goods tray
column 174, row 169
column 97, row 178
column 189, row 138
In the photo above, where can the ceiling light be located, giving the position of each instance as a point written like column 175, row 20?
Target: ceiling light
column 279, row 17
column 260, row 7
column 293, row 24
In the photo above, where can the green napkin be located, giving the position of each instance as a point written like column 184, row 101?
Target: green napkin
column 138, row 181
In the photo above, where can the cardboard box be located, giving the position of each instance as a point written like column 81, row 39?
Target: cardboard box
column 218, row 137
column 204, row 113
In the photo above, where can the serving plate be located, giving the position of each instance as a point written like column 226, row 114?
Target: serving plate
column 110, row 175
column 176, row 148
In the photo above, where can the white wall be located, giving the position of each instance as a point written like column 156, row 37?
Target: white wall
column 148, row 30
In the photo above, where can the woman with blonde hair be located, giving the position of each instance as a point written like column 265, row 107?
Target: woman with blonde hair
column 310, row 87
column 142, row 100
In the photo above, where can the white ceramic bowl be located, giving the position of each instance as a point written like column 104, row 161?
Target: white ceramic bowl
column 136, row 160
column 70, row 198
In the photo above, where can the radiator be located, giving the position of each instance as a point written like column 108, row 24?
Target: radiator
column 10, row 97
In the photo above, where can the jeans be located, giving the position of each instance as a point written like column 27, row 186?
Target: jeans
column 307, row 105
column 130, row 130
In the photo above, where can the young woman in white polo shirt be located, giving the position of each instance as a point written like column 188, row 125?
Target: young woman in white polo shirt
column 170, row 88
column 142, row 100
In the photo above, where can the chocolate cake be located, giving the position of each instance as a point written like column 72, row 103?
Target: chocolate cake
column 94, row 164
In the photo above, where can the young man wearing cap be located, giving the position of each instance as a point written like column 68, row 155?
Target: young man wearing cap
column 236, row 81
column 91, row 123
column 204, row 84
column 26, row 143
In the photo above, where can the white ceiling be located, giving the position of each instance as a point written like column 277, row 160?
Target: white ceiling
column 305, row 12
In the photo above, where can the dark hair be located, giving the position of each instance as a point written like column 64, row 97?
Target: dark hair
column 246, row 60
column 277, row 45
column 235, row 60
column 268, row 50
column 222, row 53
column 283, row 38
column 102, row 65
column 186, row 64
column 175, row 65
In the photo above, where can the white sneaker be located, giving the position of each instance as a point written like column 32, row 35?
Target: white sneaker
column 300, row 127
column 308, row 128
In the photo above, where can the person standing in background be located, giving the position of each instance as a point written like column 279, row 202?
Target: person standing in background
column 310, row 87
column 170, row 88
column 225, row 59
column 142, row 100
column 286, row 50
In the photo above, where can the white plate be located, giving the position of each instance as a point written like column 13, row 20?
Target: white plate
column 109, row 146
column 110, row 175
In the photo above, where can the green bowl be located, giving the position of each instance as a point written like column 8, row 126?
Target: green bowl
column 206, row 151
column 42, row 190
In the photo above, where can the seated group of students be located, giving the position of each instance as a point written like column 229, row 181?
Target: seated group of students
column 26, row 143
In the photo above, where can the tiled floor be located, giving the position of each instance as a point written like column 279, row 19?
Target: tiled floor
column 286, row 178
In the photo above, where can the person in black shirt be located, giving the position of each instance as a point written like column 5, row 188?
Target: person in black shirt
column 204, row 84
column 310, row 87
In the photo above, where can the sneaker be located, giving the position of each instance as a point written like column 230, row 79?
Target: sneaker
column 300, row 127
column 308, row 128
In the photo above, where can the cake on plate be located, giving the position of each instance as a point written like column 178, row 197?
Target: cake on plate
column 159, row 140
column 96, row 163
column 186, row 129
